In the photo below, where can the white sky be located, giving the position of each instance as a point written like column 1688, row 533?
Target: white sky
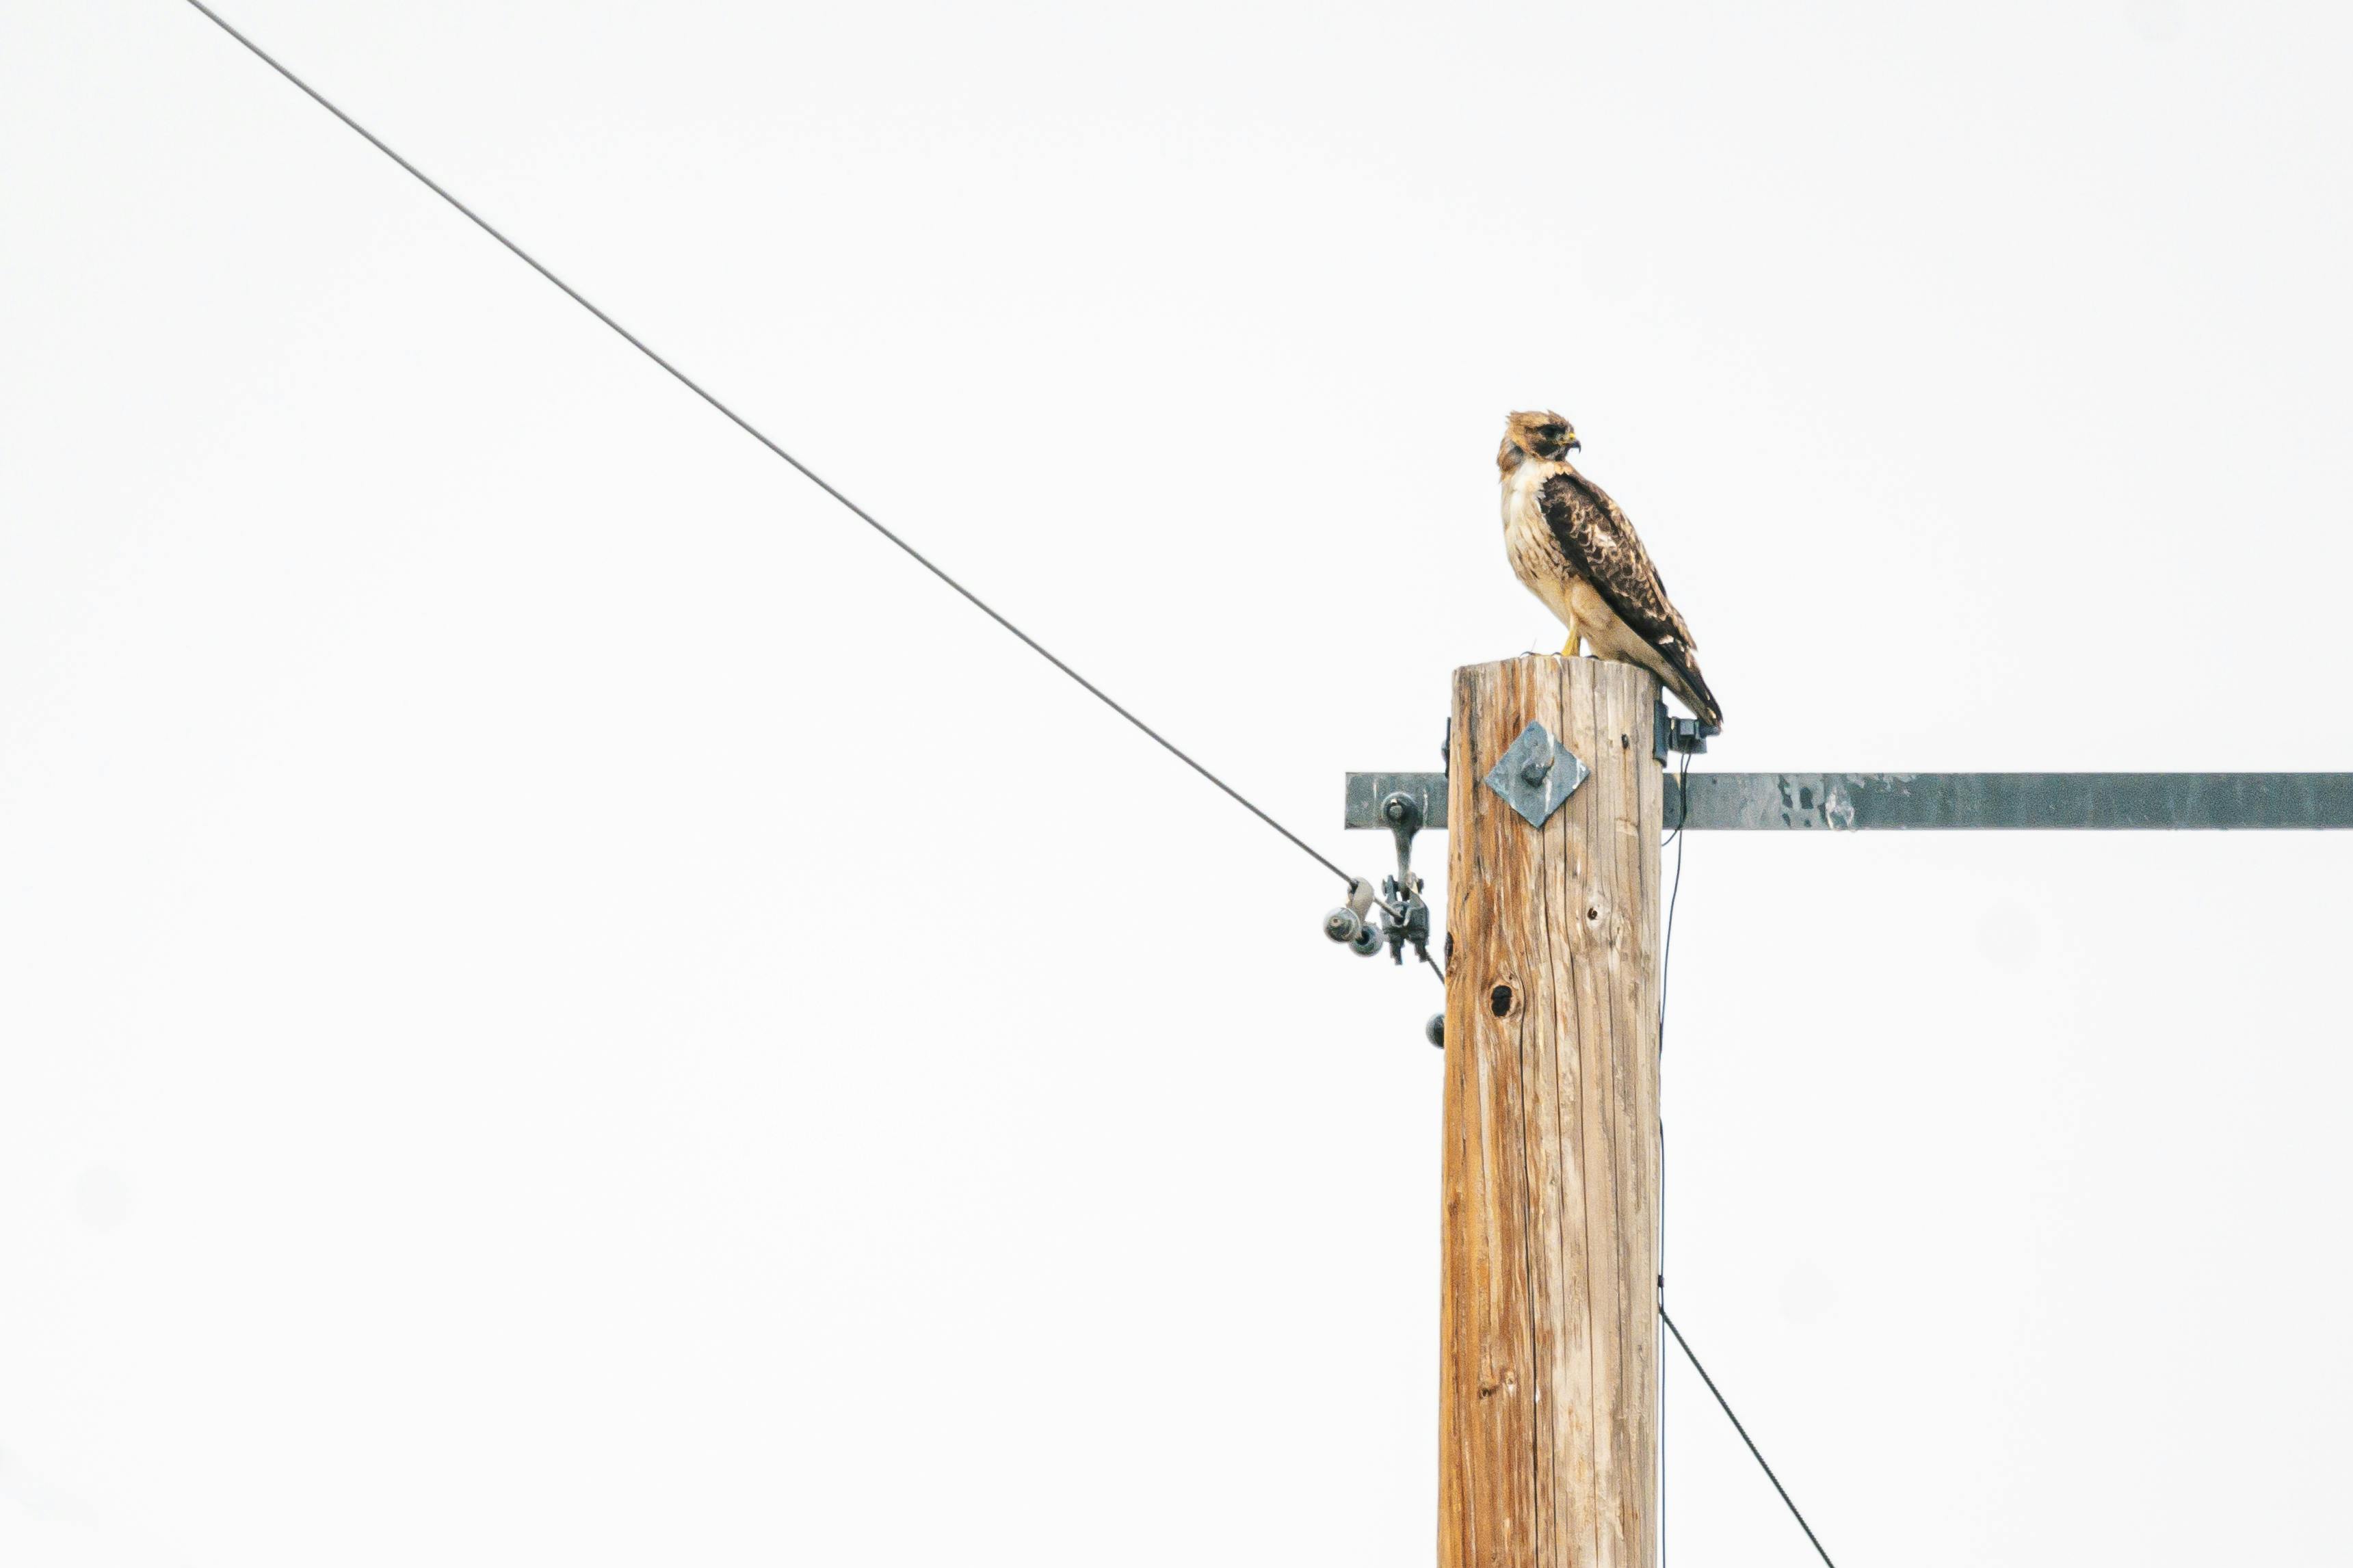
column 559, row 1002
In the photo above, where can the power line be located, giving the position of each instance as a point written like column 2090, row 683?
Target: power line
column 1667, row 949
column 984, row 608
column 753, row 431
column 1743, row 1435
column 1682, row 776
column 1666, row 958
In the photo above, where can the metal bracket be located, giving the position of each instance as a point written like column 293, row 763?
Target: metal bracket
column 1537, row 773
column 1367, row 793
column 1672, row 734
column 1405, row 804
column 1402, row 812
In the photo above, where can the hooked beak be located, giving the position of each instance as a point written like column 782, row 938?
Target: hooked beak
column 1572, row 445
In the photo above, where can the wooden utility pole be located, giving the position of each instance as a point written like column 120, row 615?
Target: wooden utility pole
column 1549, row 1377
column 1549, row 1369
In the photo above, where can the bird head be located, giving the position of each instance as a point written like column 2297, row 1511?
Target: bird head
column 1541, row 434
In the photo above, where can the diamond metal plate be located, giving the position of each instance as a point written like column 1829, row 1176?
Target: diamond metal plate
column 1537, row 773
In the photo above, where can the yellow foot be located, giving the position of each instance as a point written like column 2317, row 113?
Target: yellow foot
column 1568, row 648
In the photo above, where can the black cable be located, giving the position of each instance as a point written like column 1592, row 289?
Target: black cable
column 1744, row 1436
column 1666, row 957
column 753, row 431
column 1667, row 948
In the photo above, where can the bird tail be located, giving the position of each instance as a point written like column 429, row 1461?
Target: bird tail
column 1683, row 677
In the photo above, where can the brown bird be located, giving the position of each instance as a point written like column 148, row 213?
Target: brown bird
column 1577, row 553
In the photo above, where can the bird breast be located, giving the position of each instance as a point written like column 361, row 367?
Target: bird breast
column 1535, row 555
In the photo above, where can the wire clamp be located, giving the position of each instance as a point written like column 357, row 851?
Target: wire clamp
column 1667, row 733
column 1405, row 917
column 1404, row 913
column 1406, row 804
column 1351, row 923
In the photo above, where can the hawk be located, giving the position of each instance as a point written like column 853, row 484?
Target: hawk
column 1575, row 551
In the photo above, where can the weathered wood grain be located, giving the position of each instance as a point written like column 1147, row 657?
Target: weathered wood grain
column 1549, row 1366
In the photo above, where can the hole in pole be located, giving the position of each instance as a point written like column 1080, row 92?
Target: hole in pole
column 1500, row 1000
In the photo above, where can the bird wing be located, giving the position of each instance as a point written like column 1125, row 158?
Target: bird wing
column 1602, row 548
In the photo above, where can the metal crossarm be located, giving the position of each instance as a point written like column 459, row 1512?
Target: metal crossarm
column 1853, row 803
column 1856, row 802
